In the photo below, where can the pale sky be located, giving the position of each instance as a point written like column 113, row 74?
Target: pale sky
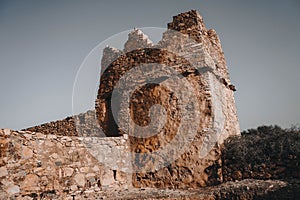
column 43, row 43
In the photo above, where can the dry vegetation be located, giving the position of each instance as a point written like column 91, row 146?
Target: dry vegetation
column 268, row 152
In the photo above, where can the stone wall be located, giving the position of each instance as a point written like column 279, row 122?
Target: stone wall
column 188, row 53
column 34, row 164
column 84, row 124
column 195, row 54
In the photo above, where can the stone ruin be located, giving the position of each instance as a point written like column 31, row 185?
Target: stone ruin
column 167, row 106
column 195, row 54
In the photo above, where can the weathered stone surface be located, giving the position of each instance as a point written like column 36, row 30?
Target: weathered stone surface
column 195, row 53
column 3, row 171
column 73, row 187
column 14, row 189
column 52, row 166
column 26, row 152
column 30, row 183
column 108, row 178
column 48, row 159
column 80, row 180
column 84, row 124
column 68, row 171
column 136, row 39
column 110, row 54
column 6, row 131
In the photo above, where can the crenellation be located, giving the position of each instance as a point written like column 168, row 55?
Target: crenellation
column 109, row 55
column 137, row 39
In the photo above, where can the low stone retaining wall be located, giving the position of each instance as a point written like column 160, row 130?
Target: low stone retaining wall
column 35, row 164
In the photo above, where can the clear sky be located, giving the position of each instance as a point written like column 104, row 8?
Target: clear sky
column 43, row 43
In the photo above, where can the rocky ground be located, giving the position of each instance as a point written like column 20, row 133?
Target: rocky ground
column 245, row 189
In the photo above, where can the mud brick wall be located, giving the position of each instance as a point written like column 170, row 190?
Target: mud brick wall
column 36, row 164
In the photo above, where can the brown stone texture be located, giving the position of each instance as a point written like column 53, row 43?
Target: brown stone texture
column 66, row 157
column 137, row 39
column 84, row 124
column 195, row 53
column 56, row 164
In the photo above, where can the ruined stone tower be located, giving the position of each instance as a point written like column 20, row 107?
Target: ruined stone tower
column 175, row 101
column 165, row 108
